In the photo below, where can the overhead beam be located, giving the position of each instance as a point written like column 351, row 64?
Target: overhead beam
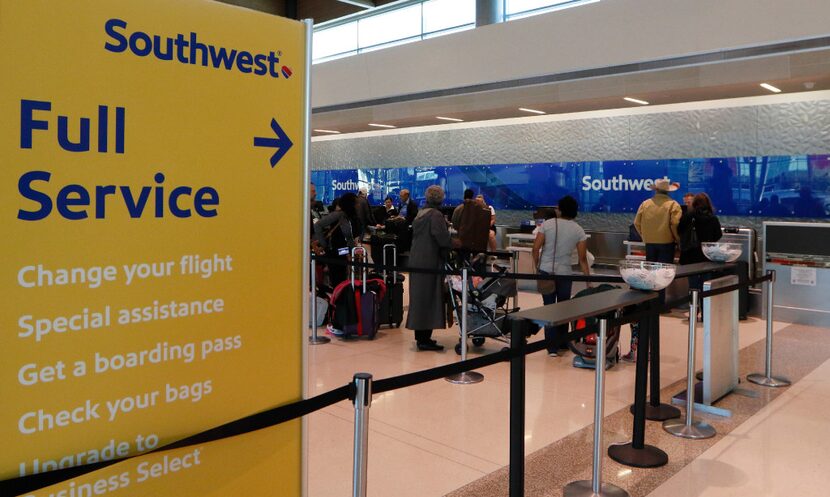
column 365, row 4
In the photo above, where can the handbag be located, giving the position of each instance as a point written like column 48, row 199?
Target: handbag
column 545, row 287
column 689, row 240
column 694, row 241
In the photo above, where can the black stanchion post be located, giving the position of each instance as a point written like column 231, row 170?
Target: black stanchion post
column 657, row 411
column 517, row 408
column 515, row 262
column 641, row 384
column 636, row 453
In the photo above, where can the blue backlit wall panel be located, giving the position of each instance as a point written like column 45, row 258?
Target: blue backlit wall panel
column 768, row 186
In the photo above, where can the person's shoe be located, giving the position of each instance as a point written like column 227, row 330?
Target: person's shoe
column 630, row 357
column 553, row 354
column 430, row 346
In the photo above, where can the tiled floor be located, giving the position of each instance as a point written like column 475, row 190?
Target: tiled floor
column 780, row 451
column 800, row 350
column 431, row 439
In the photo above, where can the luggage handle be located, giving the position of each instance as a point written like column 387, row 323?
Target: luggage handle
column 394, row 261
column 365, row 270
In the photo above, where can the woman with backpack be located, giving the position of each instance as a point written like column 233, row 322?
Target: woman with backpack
column 336, row 232
column 699, row 224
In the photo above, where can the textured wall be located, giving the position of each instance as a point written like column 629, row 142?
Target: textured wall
column 778, row 129
column 792, row 128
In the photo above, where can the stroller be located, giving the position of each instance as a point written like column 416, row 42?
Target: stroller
column 486, row 304
column 585, row 350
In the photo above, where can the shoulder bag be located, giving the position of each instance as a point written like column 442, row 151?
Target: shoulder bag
column 545, row 287
column 690, row 240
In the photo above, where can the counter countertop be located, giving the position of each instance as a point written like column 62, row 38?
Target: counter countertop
column 588, row 306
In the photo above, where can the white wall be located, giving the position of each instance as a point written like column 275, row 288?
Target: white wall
column 602, row 34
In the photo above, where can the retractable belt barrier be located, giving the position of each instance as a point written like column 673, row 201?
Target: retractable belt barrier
column 288, row 412
column 483, row 274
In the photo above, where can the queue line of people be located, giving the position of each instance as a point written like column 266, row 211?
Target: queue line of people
column 663, row 225
column 337, row 229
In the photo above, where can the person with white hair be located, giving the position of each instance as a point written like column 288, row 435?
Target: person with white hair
column 430, row 244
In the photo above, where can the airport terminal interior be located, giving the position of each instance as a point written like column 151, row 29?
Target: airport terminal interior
column 526, row 102
column 582, row 247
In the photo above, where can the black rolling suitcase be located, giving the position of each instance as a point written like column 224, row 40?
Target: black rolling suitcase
column 391, row 307
column 379, row 240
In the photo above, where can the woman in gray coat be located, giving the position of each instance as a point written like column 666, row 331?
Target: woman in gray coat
column 430, row 243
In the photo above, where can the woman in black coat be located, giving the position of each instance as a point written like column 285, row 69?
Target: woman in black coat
column 430, row 244
column 702, row 220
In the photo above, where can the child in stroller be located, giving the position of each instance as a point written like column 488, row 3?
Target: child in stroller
column 486, row 303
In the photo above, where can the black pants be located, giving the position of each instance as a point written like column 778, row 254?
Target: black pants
column 423, row 336
column 561, row 294
column 338, row 273
column 660, row 252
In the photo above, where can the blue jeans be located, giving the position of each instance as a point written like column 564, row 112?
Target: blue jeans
column 561, row 294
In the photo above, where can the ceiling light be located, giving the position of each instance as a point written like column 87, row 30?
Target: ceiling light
column 453, row 119
column 327, row 131
column 533, row 111
column 770, row 88
column 381, row 125
column 635, row 100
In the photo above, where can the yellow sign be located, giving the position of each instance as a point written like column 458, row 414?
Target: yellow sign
column 151, row 192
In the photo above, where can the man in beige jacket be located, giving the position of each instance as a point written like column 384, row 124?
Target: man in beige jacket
column 657, row 220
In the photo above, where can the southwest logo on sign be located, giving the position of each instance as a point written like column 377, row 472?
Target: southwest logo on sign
column 617, row 183
column 188, row 49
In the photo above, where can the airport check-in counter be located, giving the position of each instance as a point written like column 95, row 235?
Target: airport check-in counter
column 606, row 247
column 800, row 255
column 522, row 245
column 609, row 247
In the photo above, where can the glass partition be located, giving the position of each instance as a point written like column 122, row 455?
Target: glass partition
column 396, row 24
column 514, row 9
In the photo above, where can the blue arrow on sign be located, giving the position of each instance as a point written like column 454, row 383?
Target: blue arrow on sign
column 282, row 143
